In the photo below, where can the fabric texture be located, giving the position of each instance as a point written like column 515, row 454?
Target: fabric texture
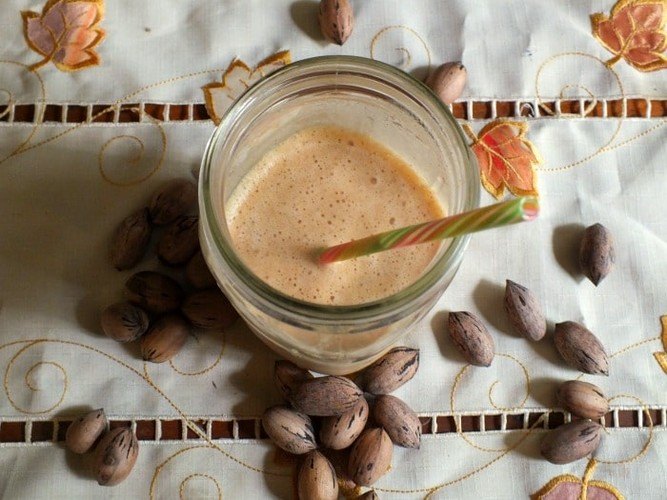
column 65, row 187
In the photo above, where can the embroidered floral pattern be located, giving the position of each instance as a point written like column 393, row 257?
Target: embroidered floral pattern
column 506, row 158
column 569, row 487
column 661, row 357
column 66, row 33
column 237, row 79
column 634, row 32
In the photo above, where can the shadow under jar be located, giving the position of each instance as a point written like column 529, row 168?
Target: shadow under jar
column 365, row 97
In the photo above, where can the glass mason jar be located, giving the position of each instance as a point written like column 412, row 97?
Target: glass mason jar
column 367, row 97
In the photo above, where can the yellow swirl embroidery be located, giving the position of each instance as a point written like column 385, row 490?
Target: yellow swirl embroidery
column 192, row 425
column 609, row 145
column 406, row 57
column 183, row 484
column 452, row 400
column 29, row 383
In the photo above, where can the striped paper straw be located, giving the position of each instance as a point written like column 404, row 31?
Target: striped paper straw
column 500, row 214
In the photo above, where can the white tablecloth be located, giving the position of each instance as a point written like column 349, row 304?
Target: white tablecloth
column 64, row 187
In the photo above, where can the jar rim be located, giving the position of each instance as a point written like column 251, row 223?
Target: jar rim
column 387, row 306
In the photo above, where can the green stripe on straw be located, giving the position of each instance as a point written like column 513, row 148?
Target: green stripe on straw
column 500, row 214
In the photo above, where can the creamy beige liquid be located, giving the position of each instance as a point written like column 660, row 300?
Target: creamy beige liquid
column 321, row 187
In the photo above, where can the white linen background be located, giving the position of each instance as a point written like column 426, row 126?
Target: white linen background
column 152, row 41
column 57, row 212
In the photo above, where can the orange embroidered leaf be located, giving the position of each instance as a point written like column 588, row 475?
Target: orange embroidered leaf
column 661, row 357
column 634, row 32
column 568, row 487
column 506, row 158
column 66, row 33
column 238, row 77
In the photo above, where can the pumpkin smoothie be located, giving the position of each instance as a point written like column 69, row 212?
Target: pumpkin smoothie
column 324, row 186
column 320, row 187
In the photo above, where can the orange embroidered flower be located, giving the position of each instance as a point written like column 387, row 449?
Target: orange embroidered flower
column 661, row 357
column 237, row 79
column 506, row 158
column 569, row 487
column 66, row 33
column 634, row 32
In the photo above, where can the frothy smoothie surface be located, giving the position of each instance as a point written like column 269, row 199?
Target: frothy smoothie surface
column 324, row 186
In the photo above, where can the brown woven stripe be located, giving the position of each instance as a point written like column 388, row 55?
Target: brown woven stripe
column 43, row 431
column 635, row 108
